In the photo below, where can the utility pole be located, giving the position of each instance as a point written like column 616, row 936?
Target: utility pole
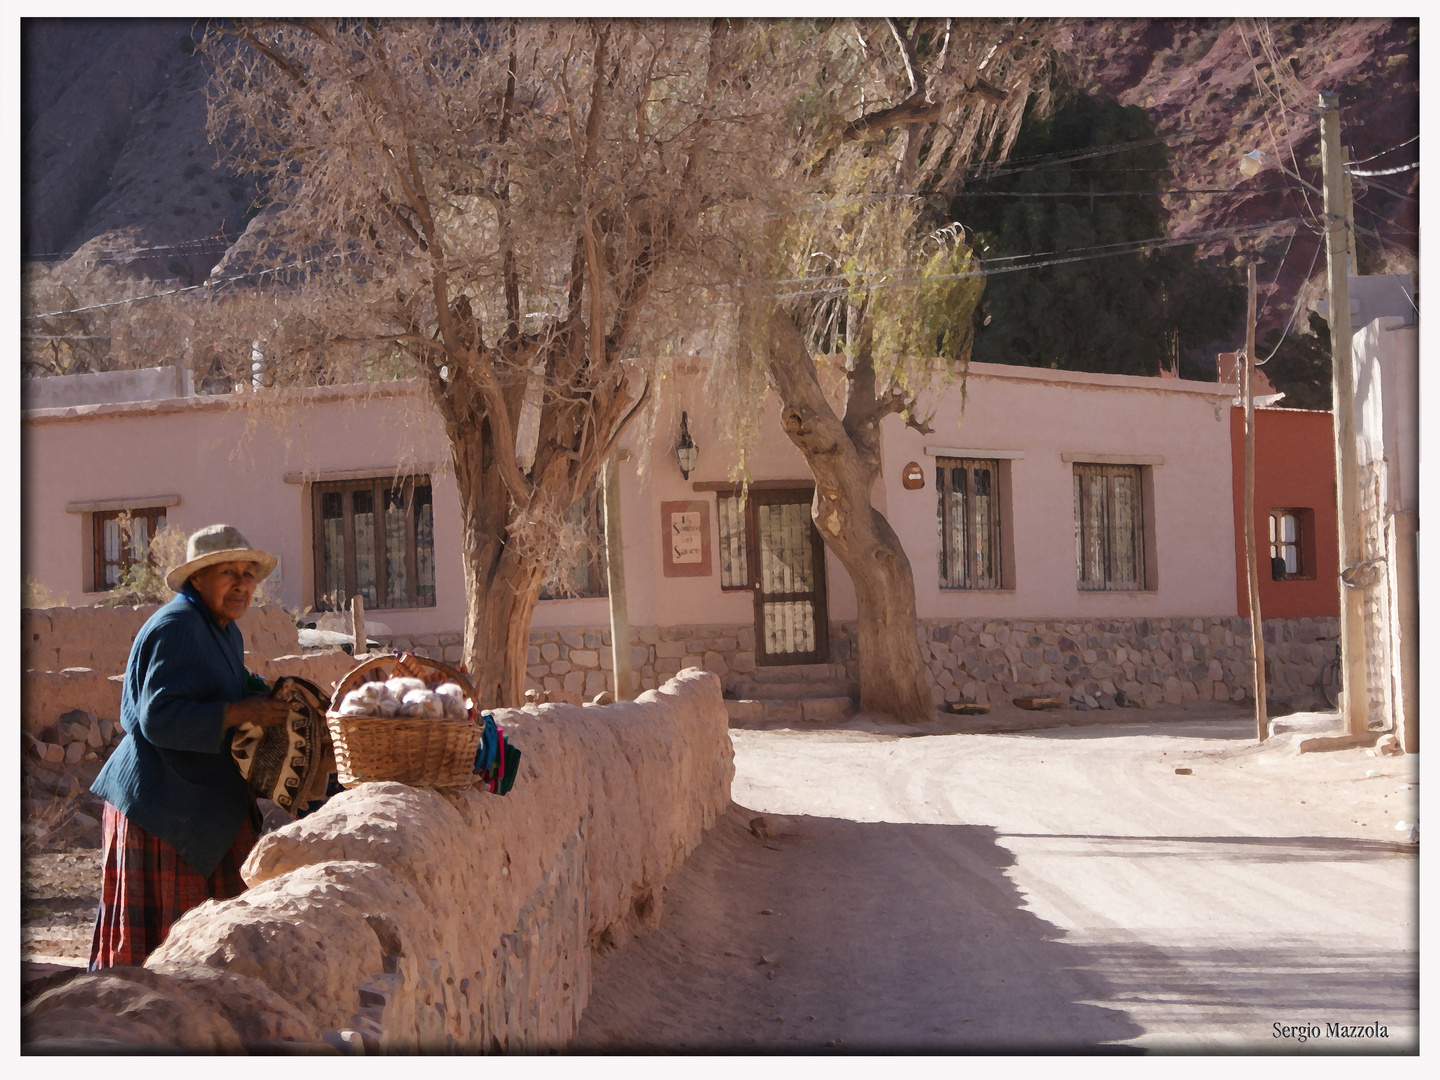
column 1339, row 249
column 615, row 578
column 1252, row 569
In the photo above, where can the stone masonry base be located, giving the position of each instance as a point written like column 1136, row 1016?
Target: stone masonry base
column 1143, row 663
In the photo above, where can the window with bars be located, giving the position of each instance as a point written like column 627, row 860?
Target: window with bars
column 374, row 538
column 114, row 553
column 1289, row 559
column 1109, row 527
column 969, row 521
column 734, row 559
column 579, row 569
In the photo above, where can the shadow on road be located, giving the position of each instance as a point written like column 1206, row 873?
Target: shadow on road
column 836, row 936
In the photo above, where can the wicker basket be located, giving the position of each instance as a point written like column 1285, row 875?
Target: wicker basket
column 409, row 750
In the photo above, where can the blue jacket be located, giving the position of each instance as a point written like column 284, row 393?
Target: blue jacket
column 173, row 775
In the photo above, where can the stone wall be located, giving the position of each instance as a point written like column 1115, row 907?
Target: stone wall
column 574, row 665
column 1143, row 662
column 400, row 919
column 99, row 638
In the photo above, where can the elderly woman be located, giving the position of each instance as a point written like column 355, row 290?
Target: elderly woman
column 179, row 819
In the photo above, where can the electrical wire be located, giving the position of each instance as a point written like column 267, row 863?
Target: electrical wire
column 1295, row 307
column 107, row 253
column 1382, row 153
column 1134, row 248
column 176, row 292
column 1392, row 191
column 1385, row 172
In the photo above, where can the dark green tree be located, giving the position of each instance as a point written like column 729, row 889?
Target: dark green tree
column 1301, row 366
column 1124, row 313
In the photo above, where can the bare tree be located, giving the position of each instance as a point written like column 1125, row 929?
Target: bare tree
column 514, row 210
column 878, row 269
column 524, row 212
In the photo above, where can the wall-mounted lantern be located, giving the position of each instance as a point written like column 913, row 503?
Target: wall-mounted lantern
column 686, row 452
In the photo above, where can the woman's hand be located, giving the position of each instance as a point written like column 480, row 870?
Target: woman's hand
column 257, row 709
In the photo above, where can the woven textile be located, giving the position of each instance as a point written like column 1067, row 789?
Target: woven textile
column 147, row 887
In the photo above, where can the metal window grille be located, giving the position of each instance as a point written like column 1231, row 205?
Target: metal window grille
column 375, row 538
column 734, row 558
column 1109, row 528
column 579, row 569
column 113, row 555
column 968, row 518
column 1287, row 546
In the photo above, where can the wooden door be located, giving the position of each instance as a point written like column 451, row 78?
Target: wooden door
column 788, row 575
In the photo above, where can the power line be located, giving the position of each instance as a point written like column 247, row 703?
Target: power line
column 1382, row 153
column 1132, row 247
column 1294, row 307
column 176, row 292
column 1107, row 194
column 1391, row 191
column 109, row 252
column 1385, row 172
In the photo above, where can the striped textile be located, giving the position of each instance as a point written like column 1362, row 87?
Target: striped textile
column 147, row 887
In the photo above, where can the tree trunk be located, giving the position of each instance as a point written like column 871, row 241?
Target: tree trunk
column 844, row 457
column 502, row 581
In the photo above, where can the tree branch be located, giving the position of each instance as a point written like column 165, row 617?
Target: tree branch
column 907, row 54
column 899, row 402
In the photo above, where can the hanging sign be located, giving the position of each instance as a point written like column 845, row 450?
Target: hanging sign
column 685, row 540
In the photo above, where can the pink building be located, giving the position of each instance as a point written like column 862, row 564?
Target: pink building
column 1057, row 500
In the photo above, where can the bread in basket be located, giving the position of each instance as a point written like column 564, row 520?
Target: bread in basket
column 419, row 750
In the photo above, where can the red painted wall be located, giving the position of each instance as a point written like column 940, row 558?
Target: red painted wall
column 1294, row 468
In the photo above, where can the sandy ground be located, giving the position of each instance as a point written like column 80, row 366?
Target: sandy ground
column 1052, row 889
column 968, row 888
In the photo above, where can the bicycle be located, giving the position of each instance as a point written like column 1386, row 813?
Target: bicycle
column 1332, row 679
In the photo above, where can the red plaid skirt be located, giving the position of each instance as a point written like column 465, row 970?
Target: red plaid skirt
column 148, row 886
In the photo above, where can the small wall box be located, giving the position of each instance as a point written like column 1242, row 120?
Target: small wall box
column 913, row 477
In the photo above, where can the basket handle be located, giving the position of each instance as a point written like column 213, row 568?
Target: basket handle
column 353, row 679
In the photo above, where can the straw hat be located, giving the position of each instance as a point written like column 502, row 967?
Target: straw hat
column 216, row 544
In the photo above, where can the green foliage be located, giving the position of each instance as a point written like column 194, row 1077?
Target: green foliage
column 931, row 314
column 35, row 595
column 1127, row 314
column 1301, row 366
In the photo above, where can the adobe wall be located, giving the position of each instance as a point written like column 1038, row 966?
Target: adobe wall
column 400, row 919
column 99, row 638
column 1294, row 469
column 73, row 662
column 251, row 467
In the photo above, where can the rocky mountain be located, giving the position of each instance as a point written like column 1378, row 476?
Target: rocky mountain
column 115, row 160
column 117, row 169
column 1216, row 89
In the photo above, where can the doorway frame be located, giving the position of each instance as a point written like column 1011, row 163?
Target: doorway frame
column 773, row 494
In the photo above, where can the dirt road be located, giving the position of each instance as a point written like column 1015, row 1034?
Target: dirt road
column 1062, row 889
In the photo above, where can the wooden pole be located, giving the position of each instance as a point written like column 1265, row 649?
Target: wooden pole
column 357, row 625
column 615, row 579
column 1252, row 567
column 1338, row 249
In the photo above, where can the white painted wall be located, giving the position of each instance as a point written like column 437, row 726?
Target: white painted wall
column 230, row 464
column 1045, row 414
column 1387, row 406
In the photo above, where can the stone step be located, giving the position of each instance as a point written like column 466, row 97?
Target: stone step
column 797, row 673
column 793, row 709
column 792, row 691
